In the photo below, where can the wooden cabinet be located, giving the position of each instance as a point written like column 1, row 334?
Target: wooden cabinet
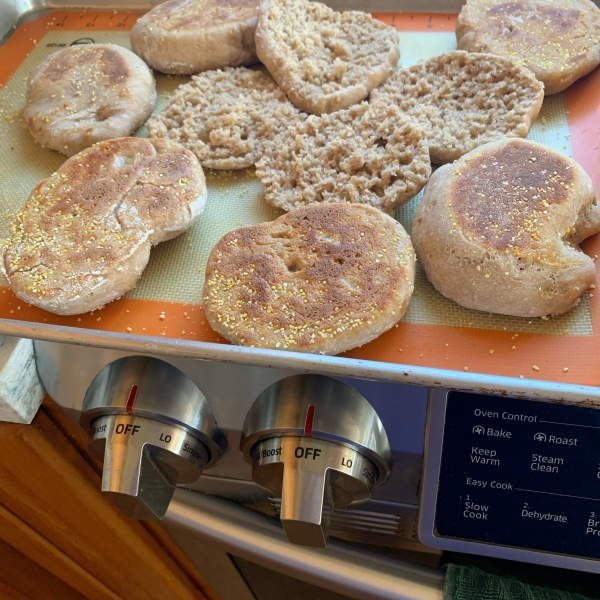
column 61, row 539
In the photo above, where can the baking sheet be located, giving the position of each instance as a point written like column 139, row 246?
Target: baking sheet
column 166, row 302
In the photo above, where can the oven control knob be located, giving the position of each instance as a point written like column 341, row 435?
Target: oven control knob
column 315, row 442
column 155, row 430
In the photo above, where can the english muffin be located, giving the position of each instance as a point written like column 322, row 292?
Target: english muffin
column 324, row 60
column 86, row 94
column 368, row 154
column 225, row 117
column 463, row 100
column 83, row 238
column 320, row 279
column 499, row 230
column 559, row 40
column 189, row 36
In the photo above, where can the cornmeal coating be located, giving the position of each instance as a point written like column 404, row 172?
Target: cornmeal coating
column 86, row 94
column 225, row 117
column 463, row 100
column 499, row 230
column 323, row 59
column 368, row 154
column 320, row 279
column 559, row 40
column 83, row 237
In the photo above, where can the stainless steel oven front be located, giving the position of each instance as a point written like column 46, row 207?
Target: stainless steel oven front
column 489, row 475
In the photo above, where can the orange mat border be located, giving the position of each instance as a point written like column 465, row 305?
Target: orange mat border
column 408, row 343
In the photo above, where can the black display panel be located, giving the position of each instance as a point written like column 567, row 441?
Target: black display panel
column 520, row 473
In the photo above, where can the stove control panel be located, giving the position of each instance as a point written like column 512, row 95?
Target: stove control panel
column 154, row 429
column 505, row 476
column 315, row 442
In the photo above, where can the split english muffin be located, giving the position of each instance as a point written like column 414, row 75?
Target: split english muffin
column 225, row 117
column 320, row 279
column 463, row 100
column 324, row 60
column 83, row 237
column 499, row 230
column 367, row 154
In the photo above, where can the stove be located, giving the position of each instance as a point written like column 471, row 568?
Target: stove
column 376, row 462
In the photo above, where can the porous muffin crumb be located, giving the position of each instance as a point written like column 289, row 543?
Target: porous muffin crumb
column 323, row 59
column 463, row 100
column 224, row 117
column 368, row 154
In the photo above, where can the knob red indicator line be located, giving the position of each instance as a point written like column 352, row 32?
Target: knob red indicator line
column 131, row 399
column 310, row 415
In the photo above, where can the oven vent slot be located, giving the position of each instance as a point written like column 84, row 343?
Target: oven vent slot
column 348, row 520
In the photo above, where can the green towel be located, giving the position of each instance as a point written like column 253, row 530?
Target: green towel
column 470, row 583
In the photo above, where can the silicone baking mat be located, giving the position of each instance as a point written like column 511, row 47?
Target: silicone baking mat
column 435, row 331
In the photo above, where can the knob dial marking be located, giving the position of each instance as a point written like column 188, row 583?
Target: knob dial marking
column 154, row 429
column 314, row 442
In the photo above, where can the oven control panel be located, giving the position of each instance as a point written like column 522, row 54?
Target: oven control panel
column 505, row 476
